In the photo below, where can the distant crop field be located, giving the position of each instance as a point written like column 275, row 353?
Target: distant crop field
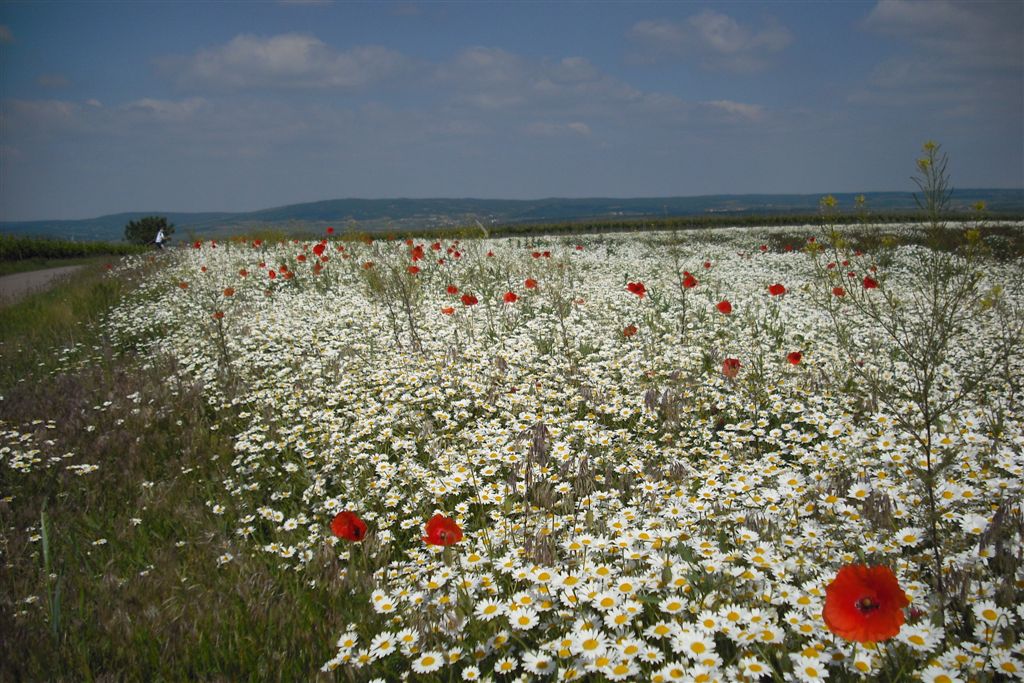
column 18, row 254
column 733, row 454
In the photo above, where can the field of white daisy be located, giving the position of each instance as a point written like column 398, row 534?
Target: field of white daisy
column 651, row 455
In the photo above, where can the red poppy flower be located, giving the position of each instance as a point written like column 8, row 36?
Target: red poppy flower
column 764, row 247
column 300, row 258
column 629, row 331
column 219, row 315
column 257, row 243
column 547, row 254
column 707, row 265
column 776, row 289
column 839, row 291
column 870, row 282
column 289, row 275
column 469, row 300
column 490, row 254
column 197, row 244
column 731, row 367
column 789, row 247
column 229, row 291
column 417, row 253
column 441, row 530
column 579, row 247
column 319, row 249
column 724, row 307
column 330, row 231
column 202, row 269
column 448, row 310
column 864, row 604
column 795, row 357
column 368, row 265
column 183, row 285
column 637, row 288
column 317, row 268
column 413, row 270
column 346, row 524
column 272, row 274
column 243, row 272
column 535, row 254
column 452, row 289
column 436, row 246
column 510, row 297
column 530, row 283
column 689, row 281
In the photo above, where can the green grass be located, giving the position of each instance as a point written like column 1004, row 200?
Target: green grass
column 150, row 603
column 32, row 329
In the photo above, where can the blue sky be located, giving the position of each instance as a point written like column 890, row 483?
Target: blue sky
column 158, row 106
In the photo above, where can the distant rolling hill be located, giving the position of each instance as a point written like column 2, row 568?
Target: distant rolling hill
column 374, row 215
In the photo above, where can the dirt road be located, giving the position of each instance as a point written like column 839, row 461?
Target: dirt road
column 17, row 286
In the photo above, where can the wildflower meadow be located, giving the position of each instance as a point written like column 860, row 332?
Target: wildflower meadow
column 719, row 455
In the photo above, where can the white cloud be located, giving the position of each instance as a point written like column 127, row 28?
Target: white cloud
column 979, row 34
column 736, row 110
column 716, row 39
column 579, row 127
column 547, row 129
column 166, row 110
column 951, row 55
column 6, row 36
column 290, row 60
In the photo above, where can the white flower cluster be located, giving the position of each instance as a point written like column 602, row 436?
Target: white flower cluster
column 629, row 509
